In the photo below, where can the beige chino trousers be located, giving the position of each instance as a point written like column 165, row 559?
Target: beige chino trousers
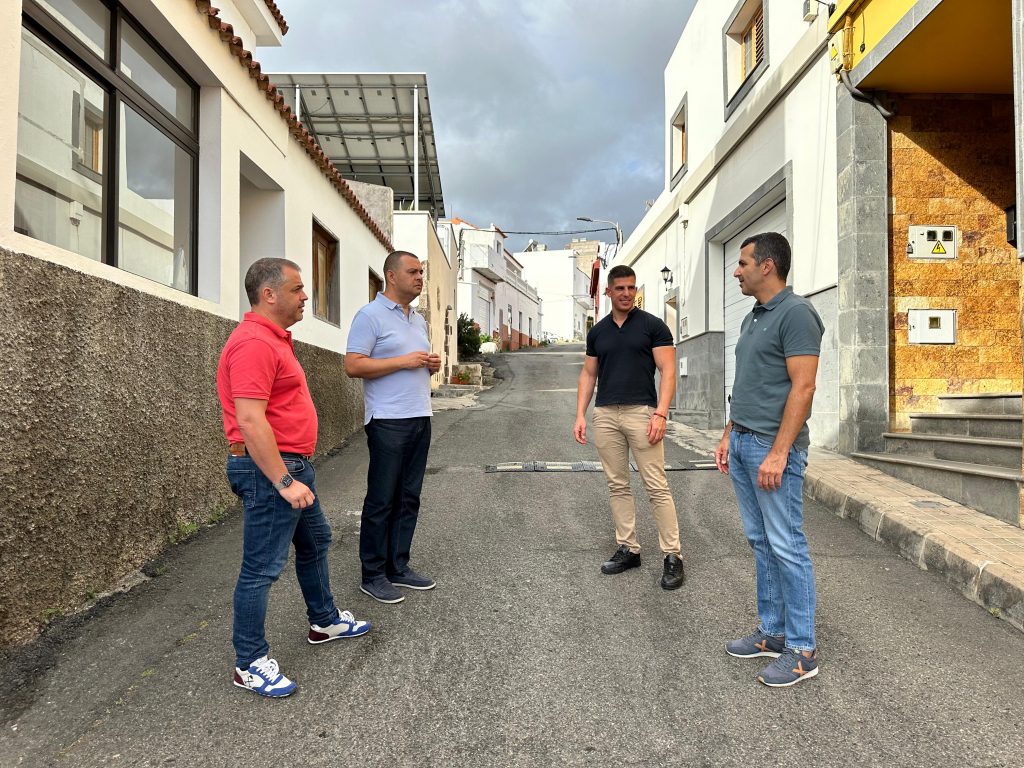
column 619, row 429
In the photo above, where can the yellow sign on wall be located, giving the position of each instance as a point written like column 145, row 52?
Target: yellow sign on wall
column 638, row 302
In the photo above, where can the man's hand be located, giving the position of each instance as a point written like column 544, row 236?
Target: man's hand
column 434, row 362
column 579, row 430
column 298, row 495
column 769, row 474
column 722, row 454
column 656, row 429
column 417, row 360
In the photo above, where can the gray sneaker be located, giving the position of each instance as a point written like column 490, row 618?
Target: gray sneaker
column 412, row 580
column 381, row 590
column 757, row 644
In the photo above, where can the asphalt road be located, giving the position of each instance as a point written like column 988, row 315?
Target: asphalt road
column 525, row 654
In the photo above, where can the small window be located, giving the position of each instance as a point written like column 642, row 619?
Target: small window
column 753, row 44
column 677, row 150
column 326, row 302
column 746, row 51
column 376, row 285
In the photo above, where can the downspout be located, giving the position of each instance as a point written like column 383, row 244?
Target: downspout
column 844, row 73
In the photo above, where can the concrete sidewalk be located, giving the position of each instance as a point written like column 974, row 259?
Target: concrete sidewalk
column 976, row 554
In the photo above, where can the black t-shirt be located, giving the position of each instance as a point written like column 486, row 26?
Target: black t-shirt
column 625, row 360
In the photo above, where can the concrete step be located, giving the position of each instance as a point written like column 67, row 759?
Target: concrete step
column 972, row 450
column 1004, row 426
column 987, row 402
column 992, row 490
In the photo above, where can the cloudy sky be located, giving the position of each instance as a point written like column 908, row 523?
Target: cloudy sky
column 544, row 110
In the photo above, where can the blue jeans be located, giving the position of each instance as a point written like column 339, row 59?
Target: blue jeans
column 398, row 461
column 773, row 524
column 271, row 526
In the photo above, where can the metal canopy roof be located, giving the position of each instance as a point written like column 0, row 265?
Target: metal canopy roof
column 365, row 125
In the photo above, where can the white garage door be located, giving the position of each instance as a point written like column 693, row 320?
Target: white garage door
column 737, row 306
column 482, row 313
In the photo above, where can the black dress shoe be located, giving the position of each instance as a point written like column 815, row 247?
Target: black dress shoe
column 621, row 561
column 673, row 577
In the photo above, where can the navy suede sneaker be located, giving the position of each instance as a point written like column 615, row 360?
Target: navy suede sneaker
column 412, row 580
column 757, row 644
column 790, row 668
column 381, row 590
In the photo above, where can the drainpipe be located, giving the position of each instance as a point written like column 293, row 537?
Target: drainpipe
column 844, row 73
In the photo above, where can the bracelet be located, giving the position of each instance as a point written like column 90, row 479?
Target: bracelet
column 658, row 414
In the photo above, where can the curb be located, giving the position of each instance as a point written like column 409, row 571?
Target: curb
column 994, row 585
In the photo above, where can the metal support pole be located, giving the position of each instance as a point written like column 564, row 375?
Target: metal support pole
column 415, row 147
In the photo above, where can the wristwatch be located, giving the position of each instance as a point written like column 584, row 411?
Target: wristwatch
column 284, row 482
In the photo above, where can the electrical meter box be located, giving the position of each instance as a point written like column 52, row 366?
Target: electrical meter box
column 931, row 326
column 933, row 241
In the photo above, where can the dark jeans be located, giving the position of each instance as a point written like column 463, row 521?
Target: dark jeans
column 271, row 526
column 398, row 460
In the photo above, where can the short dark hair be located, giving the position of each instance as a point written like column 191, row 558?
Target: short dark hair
column 620, row 271
column 269, row 271
column 394, row 259
column 771, row 245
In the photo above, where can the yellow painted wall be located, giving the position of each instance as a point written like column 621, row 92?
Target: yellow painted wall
column 952, row 162
column 872, row 20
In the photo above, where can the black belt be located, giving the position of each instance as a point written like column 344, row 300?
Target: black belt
column 741, row 429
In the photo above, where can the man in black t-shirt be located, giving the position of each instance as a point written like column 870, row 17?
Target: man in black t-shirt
column 623, row 350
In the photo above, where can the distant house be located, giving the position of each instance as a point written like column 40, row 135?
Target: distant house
column 492, row 290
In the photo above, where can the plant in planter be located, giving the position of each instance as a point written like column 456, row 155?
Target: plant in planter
column 462, row 377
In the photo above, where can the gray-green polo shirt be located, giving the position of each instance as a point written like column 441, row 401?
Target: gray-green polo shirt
column 786, row 326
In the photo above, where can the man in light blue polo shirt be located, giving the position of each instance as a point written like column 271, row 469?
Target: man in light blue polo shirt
column 388, row 348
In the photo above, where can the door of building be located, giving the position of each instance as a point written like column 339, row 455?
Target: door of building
column 736, row 305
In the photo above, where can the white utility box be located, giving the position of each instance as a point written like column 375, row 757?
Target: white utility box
column 682, row 366
column 931, row 326
column 933, row 241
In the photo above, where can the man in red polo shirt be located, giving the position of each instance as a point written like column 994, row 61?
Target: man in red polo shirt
column 270, row 423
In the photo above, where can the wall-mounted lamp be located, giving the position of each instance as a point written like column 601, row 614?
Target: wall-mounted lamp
column 666, row 275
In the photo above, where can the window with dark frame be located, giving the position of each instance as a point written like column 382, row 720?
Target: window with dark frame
column 108, row 142
column 326, row 277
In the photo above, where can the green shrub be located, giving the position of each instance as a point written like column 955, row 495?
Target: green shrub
column 469, row 336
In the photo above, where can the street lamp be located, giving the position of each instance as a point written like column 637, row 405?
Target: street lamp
column 618, row 233
column 666, row 276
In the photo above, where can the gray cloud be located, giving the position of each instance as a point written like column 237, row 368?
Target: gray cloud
column 543, row 110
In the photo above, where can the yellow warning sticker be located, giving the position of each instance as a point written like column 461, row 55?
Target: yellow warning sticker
column 938, row 249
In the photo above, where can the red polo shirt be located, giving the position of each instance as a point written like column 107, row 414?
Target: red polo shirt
column 259, row 362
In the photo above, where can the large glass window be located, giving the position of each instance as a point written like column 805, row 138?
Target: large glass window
column 61, row 125
column 107, row 148
column 148, row 70
column 154, row 221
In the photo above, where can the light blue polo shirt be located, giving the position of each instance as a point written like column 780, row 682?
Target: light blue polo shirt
column 379, row 330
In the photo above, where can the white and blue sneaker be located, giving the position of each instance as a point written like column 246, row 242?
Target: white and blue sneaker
column 264, row 677
column 345, row 625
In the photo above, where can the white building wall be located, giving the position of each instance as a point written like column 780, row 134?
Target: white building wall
column 777, row 145
column 563, row 290
column 235, row 120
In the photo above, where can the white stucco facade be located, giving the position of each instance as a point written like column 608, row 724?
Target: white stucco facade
column 750, row 147
column 491, row 289
column 416, row 232
column 564, row 291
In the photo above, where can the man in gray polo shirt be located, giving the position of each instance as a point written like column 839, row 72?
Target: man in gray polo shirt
column 389, row 349
column 764, row 449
